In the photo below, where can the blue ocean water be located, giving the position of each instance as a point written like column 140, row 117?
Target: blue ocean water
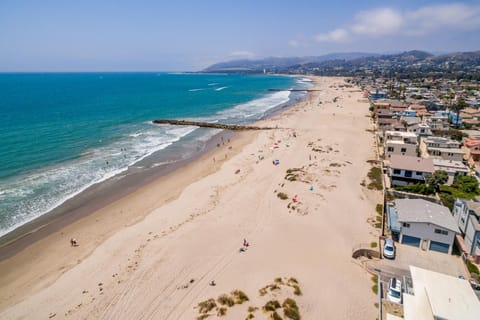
column 62, row 133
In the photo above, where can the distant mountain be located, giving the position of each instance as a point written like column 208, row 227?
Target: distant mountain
column 276, row 63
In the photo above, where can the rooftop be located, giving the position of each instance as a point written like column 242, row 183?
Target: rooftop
column 423, row 211
column 440, row 296
column 450, row 165
column 411, row 163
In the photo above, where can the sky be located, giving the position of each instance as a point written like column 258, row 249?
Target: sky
column 188, row 35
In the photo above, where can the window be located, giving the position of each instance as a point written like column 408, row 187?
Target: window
column 406, row 225
column 390, row 149
column 403, row 150
column 419, row 173
column 440, row 231
column 396, row 171
column 408, row 173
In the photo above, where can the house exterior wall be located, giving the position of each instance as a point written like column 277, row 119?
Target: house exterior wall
column 401, row 177
column 472, row 240
column 405, row 149
column 445, row 154
column 461, row 214
column 426, row 232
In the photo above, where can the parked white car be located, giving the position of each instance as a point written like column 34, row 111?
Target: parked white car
column 395, row 291
column 389, row 249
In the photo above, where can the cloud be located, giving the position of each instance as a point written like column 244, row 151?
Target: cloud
column 337, row 35
column 242, row 54
column 293, row 43
column 423, row 21
column 375, row 22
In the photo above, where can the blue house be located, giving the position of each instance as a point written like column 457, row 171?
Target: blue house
column 452, row 116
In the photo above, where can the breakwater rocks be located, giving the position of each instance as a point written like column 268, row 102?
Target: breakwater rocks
column 234, row 127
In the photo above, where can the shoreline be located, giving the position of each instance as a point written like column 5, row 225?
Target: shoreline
column 187, row 225
column 104, row 193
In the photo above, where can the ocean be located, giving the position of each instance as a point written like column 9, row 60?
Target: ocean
column 64, row 132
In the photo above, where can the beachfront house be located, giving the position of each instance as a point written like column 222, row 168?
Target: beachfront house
column 442, row 148
column 439, row 121
column 425, row 224
column 439, row 296
column 404, row 170
column 400, row 143
column 467, row 215
column 452, row 168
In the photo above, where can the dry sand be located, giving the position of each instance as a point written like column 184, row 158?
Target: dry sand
column 152, row 254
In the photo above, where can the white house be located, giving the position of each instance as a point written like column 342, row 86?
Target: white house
column 401, row 143
column 426, row 224
column 409, row 170
column 443, row 148
column 439, row 296
column 467, row 215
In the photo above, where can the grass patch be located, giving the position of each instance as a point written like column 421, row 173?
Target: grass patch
column 334, row 164
column 375, row 176
column 225, row 300
column 249, row 316
column 296, row 290
column 262, row 291
column 290, row 309
column 239, row 296
column 472, row 268
column 207, row 306
column 275, row 316
column 292, row 281
column 379, row 209
column 373, row 244
column 375, row 286
column 252, row 309
column 203, row 317
column 221, row 312
column 278, row 280
column 282, row 195
column 378, row 225
column 271, row 305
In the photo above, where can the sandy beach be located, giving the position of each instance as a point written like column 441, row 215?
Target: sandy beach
column 153, row 253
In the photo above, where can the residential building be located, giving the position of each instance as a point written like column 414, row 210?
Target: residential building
column 439, row 296
column 442, row 148
column 467, row 216
column 406, row 170
column 402, row 143
column 452, row 168
column 425, row 224
column 439, row 121
column 473, row 146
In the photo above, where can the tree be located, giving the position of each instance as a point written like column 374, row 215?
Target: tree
column 437, row 179
column 457, row 107
column 468, row 184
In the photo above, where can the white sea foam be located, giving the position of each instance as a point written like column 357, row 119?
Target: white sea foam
column 220, row 89
column 194, row 90
column 213, row 84
column 33, row 194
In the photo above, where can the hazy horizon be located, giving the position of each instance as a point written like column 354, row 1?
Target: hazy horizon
column 160, row 36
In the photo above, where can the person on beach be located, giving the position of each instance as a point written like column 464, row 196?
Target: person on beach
column 73, row 242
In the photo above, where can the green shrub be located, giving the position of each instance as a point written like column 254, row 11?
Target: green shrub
column 373, row 244
column 225, row 300
column 275, row 316
column 282, row 195
column 375, row 176
column 379, row 209
column 207, row 305
column 290, row 309
column 239, row 296
column 222, row 311
column 271, row 305
column 419, row 188
column 472, row 268
column 296, row 290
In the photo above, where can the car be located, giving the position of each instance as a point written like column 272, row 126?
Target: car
column 389, row 249
column 395, row 291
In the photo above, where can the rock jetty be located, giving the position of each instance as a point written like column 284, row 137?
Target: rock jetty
column 234, row 127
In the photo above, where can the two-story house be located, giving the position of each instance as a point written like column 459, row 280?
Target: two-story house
column 442, row 148
column 404, row 170
column 400, row 143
